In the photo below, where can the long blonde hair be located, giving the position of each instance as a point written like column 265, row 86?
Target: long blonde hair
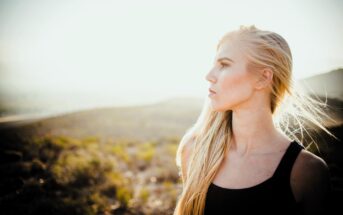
column 211, row 133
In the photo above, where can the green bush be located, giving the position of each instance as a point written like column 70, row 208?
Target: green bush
column 144, row 194
column 120, row 152
column 146, row 151
column 124, row 195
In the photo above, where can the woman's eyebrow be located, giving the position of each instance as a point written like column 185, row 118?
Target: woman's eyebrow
column 225, row 58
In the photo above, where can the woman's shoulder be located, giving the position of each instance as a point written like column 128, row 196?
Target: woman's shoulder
column 184, row 149
column 310, row 179
column 310, row 166
column 182, row 155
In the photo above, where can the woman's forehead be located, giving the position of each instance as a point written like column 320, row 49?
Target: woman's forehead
column 228, row 51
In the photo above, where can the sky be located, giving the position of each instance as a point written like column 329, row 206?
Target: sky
column 76, row 54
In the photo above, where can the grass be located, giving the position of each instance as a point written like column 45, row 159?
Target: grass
column 86, row 176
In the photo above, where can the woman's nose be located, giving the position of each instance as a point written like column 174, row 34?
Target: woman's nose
column 210, row 77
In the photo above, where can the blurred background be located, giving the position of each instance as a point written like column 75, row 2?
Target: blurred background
column 95, row 95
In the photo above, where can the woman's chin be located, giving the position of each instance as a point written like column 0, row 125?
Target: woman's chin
column 217, row 108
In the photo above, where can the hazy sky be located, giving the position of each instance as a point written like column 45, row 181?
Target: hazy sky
column 128, row 52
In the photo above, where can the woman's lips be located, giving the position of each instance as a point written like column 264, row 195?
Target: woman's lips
column 211, row 91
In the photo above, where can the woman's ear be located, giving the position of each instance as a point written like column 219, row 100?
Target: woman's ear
column 264, row 79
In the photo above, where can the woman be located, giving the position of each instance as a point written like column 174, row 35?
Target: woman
column 237, row 158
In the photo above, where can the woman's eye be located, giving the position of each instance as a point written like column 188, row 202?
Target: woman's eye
column 224, row 65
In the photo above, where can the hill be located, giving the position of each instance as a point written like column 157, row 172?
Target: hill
column 329, row 84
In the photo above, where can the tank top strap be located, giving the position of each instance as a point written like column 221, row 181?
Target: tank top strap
column 284, row 168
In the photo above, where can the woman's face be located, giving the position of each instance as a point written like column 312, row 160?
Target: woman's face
column 229, row 78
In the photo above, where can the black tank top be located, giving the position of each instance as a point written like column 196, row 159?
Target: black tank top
column 272, row 196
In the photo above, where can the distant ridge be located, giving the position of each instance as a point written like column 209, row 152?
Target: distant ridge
column 166, row 117
column 329, row 83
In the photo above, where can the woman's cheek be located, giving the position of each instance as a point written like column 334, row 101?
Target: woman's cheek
column 234, row 87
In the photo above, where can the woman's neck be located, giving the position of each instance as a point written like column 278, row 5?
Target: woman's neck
column 254, row 132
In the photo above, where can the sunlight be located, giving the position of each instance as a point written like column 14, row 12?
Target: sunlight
column 113, row 53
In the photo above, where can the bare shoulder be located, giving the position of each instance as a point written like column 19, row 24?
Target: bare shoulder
column 312, row 163
column 183, row 152
column 184, row 149
column 310, row 179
